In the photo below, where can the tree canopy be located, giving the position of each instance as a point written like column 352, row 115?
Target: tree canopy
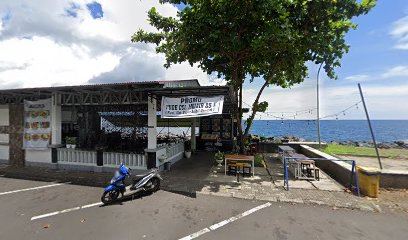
column 271, row 39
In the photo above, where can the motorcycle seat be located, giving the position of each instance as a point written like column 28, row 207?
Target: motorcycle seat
column 140, row 176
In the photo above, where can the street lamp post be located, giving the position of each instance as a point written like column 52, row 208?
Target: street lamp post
column 318, row 106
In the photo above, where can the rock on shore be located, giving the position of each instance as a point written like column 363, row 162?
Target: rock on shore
column 291, row 138
column 386, row 145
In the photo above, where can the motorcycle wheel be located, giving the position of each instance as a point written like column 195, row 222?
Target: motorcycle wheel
column 153, row 185
column 109, row 197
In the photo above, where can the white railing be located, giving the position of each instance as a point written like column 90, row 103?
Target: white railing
column 66, row 155
column 175, row 149
column 129, row 159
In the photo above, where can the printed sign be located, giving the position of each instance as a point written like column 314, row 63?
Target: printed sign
column 191, row 106
column 37, row 128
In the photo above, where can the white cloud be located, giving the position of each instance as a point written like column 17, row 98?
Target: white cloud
column 398, row 71
column 393, row 72
column 41, row 45
column 384, row 102
column 44, row 46
column 399, row 31
column 358, row 77
column 43, row 62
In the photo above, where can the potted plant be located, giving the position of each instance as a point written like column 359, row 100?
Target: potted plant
column 70, row 142
column 219, row 158
column 187, row 148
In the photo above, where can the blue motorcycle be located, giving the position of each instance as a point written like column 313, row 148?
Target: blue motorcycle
column 149, row 182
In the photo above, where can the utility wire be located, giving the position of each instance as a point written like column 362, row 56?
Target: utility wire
column 342, row 112
column 302, row 112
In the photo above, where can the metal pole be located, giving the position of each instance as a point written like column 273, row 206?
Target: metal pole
column 353, row 168
column 318, row 107
column 286, row 173
column 369, row 125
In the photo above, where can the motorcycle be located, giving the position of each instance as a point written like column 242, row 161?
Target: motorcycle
column 149, row 182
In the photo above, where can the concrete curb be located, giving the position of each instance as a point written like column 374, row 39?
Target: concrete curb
column 367, row 208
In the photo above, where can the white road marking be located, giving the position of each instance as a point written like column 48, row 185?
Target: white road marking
column 65, row 211
column 225, row 222
column 34, row 188
column 91, row 205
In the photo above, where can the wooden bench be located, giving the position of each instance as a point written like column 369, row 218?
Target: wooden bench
column 245, row 167
column 239, row 159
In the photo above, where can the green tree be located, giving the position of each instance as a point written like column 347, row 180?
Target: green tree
column 247, row 39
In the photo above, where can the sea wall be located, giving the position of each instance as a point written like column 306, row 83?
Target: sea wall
column 341, row 171
column 338, row 170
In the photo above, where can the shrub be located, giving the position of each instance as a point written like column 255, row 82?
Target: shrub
column 258, row 160
column 219, row 155
column 70, row 140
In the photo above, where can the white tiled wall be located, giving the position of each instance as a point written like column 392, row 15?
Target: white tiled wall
column 4, row 115
column 42, row 156
column 4, row 138
column 4, row 152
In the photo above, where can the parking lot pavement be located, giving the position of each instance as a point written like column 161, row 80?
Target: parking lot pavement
column 162, row 215
column 314, row 222
column 166, row 215
column 11, row 184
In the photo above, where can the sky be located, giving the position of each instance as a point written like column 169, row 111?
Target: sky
column 56, row 42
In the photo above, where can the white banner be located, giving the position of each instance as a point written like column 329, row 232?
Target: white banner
column 191, row 106
column 37, row 127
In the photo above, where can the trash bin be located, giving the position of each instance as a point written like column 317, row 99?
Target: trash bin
column 369, row 179
column 167, row 166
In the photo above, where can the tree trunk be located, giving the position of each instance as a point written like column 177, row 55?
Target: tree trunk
column 241, row 137
column 238, row 79
column 254, row 111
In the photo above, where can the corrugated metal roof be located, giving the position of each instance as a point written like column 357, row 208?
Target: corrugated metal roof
column 180, row 84
column 165, row 83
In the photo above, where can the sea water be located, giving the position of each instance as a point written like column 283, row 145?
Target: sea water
column 334, row 130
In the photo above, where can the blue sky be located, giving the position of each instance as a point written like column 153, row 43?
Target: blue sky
column 95, row 9
column 375, row 60
column 373, row 48
column 72, row 42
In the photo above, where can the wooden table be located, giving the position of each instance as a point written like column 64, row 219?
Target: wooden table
column 285, row 151
column 239, row 158
column 301, row 169
column 285, row 148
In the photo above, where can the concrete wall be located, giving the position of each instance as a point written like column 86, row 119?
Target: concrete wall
column 340, row 171
column 269, row 147
column 161, row 151
column 394, row 179
column 38, row 156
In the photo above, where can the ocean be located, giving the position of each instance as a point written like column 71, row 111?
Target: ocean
column 332, row 130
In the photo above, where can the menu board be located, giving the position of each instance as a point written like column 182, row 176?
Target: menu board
column 220, row 125
column 37, row 124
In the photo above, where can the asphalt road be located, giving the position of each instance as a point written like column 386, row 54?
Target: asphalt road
column 166, row 215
